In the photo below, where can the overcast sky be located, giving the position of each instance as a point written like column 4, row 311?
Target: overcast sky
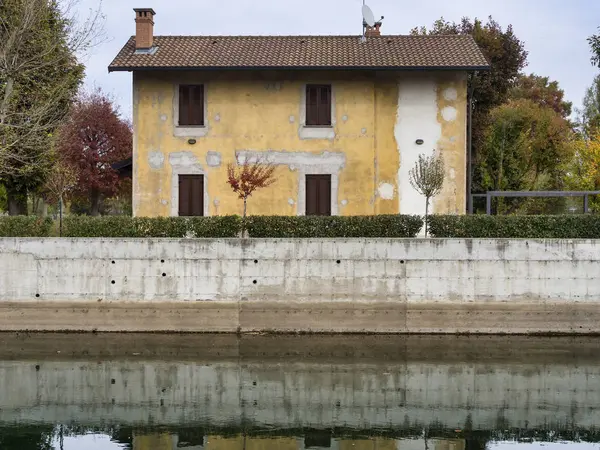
column 554, row 31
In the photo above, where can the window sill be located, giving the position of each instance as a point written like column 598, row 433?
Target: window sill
column 316, row 132
column 190, row 131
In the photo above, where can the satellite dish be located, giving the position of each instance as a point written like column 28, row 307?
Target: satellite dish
column 368, row 16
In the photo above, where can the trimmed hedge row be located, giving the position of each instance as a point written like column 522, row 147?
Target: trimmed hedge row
column 25, row 226
column 392, row 226
column 171, row 227
column 585, row 226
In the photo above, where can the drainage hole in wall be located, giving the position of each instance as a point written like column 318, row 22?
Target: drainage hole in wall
column 255, row 403
column 402, row 261
column 164, row 274
column 256, row 261
column 254, row 383
column 37, row 367
column 162, row 402
column 254, row 282
column 338, row 261
column 162, row 260
column 37, row 295
column 112, row 262
column 112, row 282
column 112, row 381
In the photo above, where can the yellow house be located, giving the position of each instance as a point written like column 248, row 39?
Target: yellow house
column 343, row 119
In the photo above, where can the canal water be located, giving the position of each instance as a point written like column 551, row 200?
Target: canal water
column 225, row 392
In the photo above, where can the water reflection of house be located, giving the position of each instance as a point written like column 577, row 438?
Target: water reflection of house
column 320, row 441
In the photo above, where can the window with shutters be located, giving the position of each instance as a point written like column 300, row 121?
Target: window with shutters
column 191, row 195
column 318, row 195
column 318, row 105
column 191, row 105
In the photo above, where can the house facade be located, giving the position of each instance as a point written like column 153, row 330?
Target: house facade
column 342, row 118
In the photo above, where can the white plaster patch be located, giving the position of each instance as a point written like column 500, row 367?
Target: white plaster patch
column 291, row 201
column 292, row 168
column 450, row 94
column 164, row 202
column 417, row 117
column 386, row 191
column 213, row 159
column 163, row 117
column 292, row 119
column 344, row 202
column 216, row 202
column 449, row 113
column 452, row 138
column 218, row 118
column 345, row 118
column 156, row 160
column 363, row 130
column 452, row 173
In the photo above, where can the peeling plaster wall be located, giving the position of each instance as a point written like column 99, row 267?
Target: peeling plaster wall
column 376, row 119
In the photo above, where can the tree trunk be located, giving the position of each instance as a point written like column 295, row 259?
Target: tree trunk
column 426, row 215
column 95, row 202
column 17, row 202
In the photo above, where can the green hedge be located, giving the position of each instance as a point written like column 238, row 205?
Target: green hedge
column 543, row 227
column 173, row 227
column 397, row 226
column 25, row 226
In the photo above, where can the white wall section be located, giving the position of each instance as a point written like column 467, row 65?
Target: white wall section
column 417, row 118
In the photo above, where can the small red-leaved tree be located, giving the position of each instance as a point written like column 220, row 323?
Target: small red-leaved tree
column 93, row 138
column 248, row 177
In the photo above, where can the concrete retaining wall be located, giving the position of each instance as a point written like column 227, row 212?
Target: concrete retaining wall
column 341, row 285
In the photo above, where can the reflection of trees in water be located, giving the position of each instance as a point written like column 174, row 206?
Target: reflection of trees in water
column 27, row 438
column 33, row 437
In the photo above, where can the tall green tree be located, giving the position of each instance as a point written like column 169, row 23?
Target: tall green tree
column 589, row 115
column 526, row 147
column 507, row 57
column 595, row 45
column 542, row 91
column 39, row 77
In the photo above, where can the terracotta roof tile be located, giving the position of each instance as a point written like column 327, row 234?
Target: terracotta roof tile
column 383, row 52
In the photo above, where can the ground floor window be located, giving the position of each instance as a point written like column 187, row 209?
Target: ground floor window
column 318, row 195
column 191, row 195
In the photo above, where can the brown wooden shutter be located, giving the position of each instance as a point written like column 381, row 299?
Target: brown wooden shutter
column 184, row 102
column 191, row 195
column 191, row 105
column 318, row 104
column 325, row 105
column 318, row 195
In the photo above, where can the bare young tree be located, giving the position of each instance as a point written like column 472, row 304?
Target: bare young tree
column 248, row 177
column 40, row 44
column 427, row 178
column 60, row 182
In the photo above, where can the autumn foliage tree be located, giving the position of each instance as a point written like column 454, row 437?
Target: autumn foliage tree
column 93, row 138
column 248, row 177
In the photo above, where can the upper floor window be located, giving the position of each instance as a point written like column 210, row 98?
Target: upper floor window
column 318, row 105
column 191, row 105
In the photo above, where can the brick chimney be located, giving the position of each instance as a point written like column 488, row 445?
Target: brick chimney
column 144, row 28
column 374, row 30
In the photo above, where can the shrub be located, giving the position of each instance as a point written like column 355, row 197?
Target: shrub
column 174, row 227
column 25, row 226
column 543, row 227
column 396, row 226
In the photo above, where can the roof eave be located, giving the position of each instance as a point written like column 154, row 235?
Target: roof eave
column 334, row 68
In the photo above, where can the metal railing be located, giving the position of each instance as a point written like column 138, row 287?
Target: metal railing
column 541, row 194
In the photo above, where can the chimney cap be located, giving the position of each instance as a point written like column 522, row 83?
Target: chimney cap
column 150, row 10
